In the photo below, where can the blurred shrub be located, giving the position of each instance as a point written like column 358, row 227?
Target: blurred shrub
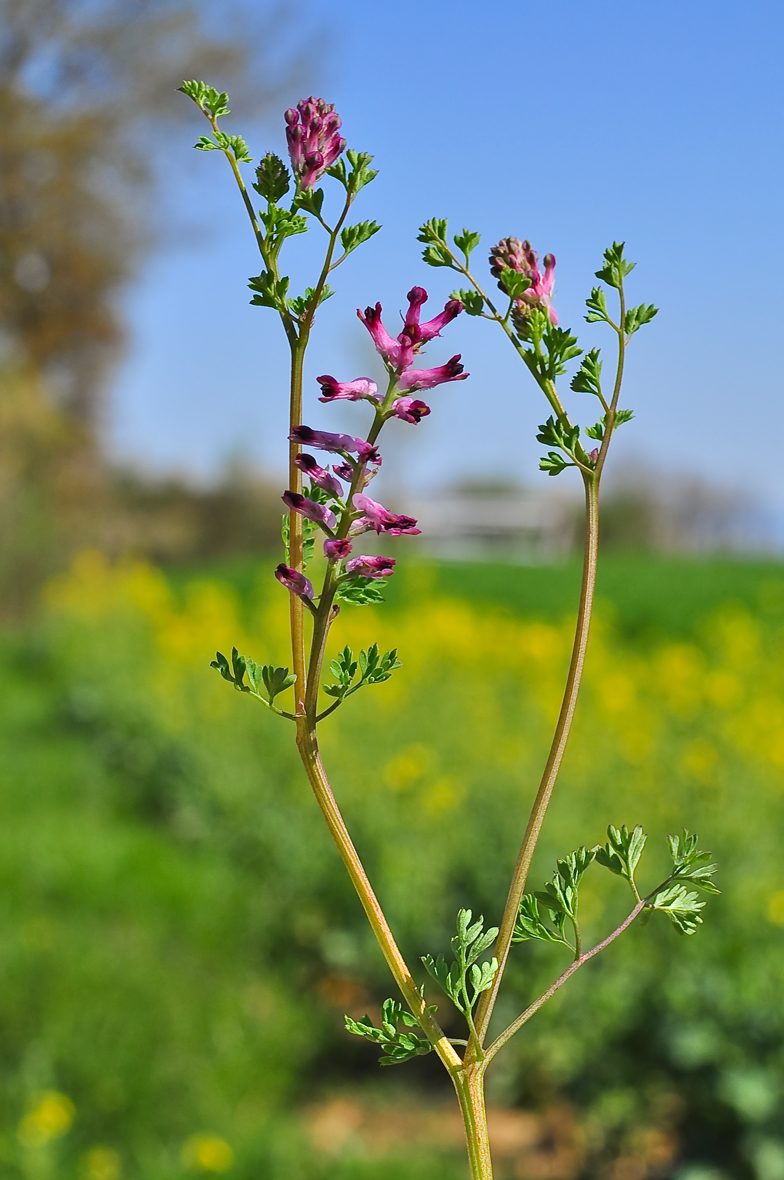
column 671, row 1049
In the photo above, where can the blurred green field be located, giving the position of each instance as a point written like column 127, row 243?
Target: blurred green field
column 180, row 943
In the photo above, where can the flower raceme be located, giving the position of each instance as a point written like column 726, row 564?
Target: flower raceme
column 313, row 141
column 512, row 254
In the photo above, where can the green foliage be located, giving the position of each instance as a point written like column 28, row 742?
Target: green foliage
column 275, row 680
column 556, row 432
column 269, row 291
column 598, row 430
column 472, row 301
column 273, row 179
column 597, row 307
column 207, row 98
column 559, row 345
column 225, row 143
column 682, row 907
column 359, row 591
column 399, row 1044
column 302, row 304
column 467, row 242
column 637, row 316
column 358, row 175
column 311, row 200
column 372, row 666
column 615, row 268
column 354, row 235
column 433, row 234
column 587, row 379
column 309, row 531
column 622, row 851
column 513, row 282
column 690, row 863
column 234, row 672
column 281, row 224
column 464, row 979
column 560, row 895
column 530, row 924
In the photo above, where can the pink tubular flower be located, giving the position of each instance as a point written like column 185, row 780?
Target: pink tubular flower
column 309, row 508
column 313, row 140
column 420, row 334
column 294, row 581
column 513, row 254
column 376, row 516
column 371, row 567
column 336, row 548
column 318, row 475
column 414, row 379
column 352, row 391
column 397, row 353
column 323, row 440
column 410, row 410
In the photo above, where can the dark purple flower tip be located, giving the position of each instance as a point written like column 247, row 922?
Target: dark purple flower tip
column 381, row 519
column 294, row 581
column 316, row 512
column 415, row 379
column 318, row 475
column 410, row 409
column 433, row 327
column 371, row 567
column 353, row 391
column 344, row 470
column 368, row 453
column 336, row 548
column 324, row 440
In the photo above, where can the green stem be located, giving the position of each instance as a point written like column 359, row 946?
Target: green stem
column 509, row 1032
column 557, row 748
column 296, row 605
column 469, row 1086
column 311, row 759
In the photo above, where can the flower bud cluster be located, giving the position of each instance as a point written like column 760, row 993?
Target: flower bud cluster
column 512, row 254
column 345, row 514
column 313, row 140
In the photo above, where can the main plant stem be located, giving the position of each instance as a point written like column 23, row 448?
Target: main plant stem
column 555, row 757
column 470, row 1087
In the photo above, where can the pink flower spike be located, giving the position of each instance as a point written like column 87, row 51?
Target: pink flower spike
column 352, row 391
column 415, row 379
column 410, row 410
column 336, row 548
column 316, row 512
column 319, row 476
column 294, row 581
column 397, row 353
column 323, row 440
column 371, row 567
column 382, row 520
column 313, row 140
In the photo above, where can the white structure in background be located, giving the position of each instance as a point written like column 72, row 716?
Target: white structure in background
column 502, row 524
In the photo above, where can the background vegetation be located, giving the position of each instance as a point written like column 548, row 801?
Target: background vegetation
column 180, row 944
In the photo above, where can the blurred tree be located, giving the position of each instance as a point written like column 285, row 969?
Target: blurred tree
column 87, row 91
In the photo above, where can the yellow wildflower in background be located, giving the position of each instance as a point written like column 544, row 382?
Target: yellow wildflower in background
column 49, row 1116
column 102, row 1163
column 208, row 1153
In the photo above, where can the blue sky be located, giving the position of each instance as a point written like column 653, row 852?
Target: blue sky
column 569, row 123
